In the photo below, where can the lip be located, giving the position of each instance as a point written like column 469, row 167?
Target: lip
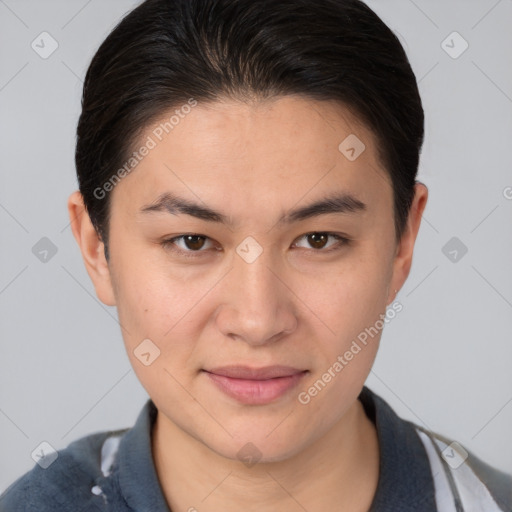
column 255, row 386
column 246, row 372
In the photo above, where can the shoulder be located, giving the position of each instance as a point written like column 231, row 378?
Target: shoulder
column 430, row 470
column 62, row 480
column 462, row 475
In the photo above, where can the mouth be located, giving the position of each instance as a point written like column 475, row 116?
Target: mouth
column 256, row 386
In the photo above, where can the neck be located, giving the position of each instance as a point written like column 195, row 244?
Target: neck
column 339, row 470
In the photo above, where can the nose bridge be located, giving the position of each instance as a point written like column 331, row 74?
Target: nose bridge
column 258, row 285
column 258, row 307
column 258, row 281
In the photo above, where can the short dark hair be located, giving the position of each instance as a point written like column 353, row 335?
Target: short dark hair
column 165, row 52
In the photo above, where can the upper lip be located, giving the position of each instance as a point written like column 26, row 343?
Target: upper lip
column 246, row 372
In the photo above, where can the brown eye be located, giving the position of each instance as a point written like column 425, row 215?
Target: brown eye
column 188, row 243
column 317, row 240
column 194, row 242
column 322, row 242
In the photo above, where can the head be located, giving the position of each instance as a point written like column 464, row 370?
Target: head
column 283, row 137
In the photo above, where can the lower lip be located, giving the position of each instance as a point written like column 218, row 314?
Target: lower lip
column 256, row 392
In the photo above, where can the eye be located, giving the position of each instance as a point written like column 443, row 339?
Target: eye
column 319, row 241
column 188, row 243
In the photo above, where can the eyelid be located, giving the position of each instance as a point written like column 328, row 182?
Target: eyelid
column 169, row 243
column 342, row 240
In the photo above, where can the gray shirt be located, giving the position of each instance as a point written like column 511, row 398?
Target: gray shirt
column 419, row 471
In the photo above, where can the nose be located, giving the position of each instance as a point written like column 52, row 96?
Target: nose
column 257, row 306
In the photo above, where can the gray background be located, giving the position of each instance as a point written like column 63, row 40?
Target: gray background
column 444, row 361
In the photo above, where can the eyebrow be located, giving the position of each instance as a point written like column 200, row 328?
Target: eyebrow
column 341, row 203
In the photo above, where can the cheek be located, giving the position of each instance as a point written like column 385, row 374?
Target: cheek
column 353, row 309
column 351, row 297
column 152, row 305
column 158, row 333
column 351, row 303
column 169, row 308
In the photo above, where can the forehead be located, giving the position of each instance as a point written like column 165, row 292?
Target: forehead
column 267, row 153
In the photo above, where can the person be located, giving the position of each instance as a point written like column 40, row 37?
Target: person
column 248, row 201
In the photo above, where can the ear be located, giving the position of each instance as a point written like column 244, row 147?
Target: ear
column 403, row 257
column 92, row 249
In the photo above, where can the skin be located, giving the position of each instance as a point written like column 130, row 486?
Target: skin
column 295, row 305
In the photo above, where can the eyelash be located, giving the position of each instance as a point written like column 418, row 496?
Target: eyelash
column 170, row 243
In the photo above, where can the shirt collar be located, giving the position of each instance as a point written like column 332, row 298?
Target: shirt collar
column 137, row 475
column 405, row 479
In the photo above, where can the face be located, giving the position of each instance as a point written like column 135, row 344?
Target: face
column 236, row 266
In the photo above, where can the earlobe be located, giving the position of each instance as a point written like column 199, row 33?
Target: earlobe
column 92, row 249
column 404, row 254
